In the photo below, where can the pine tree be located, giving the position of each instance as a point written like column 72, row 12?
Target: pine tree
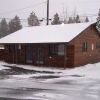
column 56, row 20
column 87, row 19
column 98, row 19
column 3, row 28
column 14, row 24
column 33, row 20
column 77, row 19
column 98, row 22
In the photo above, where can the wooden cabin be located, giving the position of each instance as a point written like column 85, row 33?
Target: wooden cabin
column 64, row 46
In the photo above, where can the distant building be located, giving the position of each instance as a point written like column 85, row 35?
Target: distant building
column 66, row 45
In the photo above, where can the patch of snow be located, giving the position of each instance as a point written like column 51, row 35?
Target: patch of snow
column 46, row 34
column 2, row 67
column 33, row 75
column 36, row 68
column 80, row 83
column 88, row 71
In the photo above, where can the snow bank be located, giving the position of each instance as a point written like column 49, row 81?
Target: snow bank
column 37, row 68
column 2, row 67
column 89, row 71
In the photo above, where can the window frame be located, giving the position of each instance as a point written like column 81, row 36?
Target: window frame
column 85, row 46
column 55, row 49
column 2, row 47
column 61, row 49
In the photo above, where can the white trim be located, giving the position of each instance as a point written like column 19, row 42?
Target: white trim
column 92, row 47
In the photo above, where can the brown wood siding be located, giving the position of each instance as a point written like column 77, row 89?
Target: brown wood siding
column 70, row 56
column 2, row 54
column 91, row 36
column 20, row 56
column 52, row 60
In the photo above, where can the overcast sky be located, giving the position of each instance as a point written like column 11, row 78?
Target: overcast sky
column 10, row 8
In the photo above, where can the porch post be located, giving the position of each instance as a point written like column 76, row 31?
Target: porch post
column 11, row 47
column 16, row 53
column 65, row 55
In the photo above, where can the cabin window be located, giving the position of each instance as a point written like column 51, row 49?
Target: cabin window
column 19, row 47
column 53, row 49
column 2, row 47
column 56, row 49
column 84, row 46
column 97, row 46
column 61, row 49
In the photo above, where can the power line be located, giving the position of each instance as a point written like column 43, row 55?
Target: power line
column 17, row 10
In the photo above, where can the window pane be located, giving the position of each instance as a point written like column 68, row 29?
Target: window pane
column 84, row 46
column 53, row 49
column 2, row 47
column 61, row 49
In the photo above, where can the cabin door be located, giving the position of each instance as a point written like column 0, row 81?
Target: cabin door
column 39, row 54
column 29, row 57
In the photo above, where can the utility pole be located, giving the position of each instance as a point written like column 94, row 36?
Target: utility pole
column 47, row 12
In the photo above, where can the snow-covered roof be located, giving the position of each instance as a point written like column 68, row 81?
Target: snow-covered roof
column 46, row 34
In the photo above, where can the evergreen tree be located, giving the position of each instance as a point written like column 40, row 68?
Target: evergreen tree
column 33, row 20
column 77, row 19
column 56, row 20
column 87, row 19
column 3, row 28
column 14, row 24
column 98, row 22
column 98, row 19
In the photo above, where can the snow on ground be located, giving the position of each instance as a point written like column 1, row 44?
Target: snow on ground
column 30, row 67
column 40, row 83
column 2, row 67
column 88, row 71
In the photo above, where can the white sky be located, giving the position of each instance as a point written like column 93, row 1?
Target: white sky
column 81, row 6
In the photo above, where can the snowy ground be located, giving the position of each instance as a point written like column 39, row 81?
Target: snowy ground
column 24, row 82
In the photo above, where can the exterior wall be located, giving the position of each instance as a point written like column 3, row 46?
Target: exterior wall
column 52, row 60
column 15, row 57
column 91, row 36
column 65, row 61
column 70, row 56
column 2, row 54
column 19, row 57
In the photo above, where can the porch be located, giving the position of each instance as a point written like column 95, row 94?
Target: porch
column 44, row 54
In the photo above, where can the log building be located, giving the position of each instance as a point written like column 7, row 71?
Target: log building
column 65, row 46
